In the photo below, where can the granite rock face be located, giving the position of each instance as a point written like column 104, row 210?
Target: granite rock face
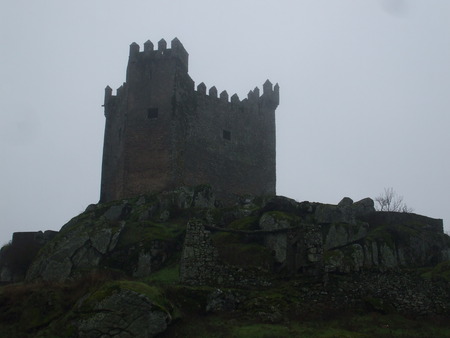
column 242, row 244
column 80, row 247
column 130, row 235
column 310, row 238
column 120, row 312
column 345, row 212
column 386, row 240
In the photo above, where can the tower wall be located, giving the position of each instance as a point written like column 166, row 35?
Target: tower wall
column 113, row 145
column 161, row 133
column 231, row 145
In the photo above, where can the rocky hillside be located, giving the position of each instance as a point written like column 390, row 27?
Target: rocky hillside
column 157, row 264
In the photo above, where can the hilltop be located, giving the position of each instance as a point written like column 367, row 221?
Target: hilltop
column 181, row 261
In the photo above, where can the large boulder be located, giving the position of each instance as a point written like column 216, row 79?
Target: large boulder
column 122, row 309
column 389, row 240
column 340, row 234
column 345, row 212
column 135, row 236
column 79, row 247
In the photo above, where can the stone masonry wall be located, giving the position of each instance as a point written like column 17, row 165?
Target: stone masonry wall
column 200, row 263
column 161, row 133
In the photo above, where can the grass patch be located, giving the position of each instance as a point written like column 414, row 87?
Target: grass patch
column 167, row 275
column 245, row 223
column 261, row 331
column 108, row 289
column 26, row 309
column 282, row 216
column 148, row 231
column 440, row 271
column 352, row 326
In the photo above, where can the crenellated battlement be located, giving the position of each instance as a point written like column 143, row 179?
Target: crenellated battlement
column 271, row 95
column 177, row 50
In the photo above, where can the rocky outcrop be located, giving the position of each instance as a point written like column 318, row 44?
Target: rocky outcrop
column 124, row 309
column 136, row 236
column 241, row 245
column 315, row 238
column 203, row 263
column 81, row 247
column 219, row 259
column 295, row 245
column 344, row 212
column 388, row 240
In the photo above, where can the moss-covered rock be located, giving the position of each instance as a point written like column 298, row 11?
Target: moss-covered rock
column 340, row 234
column 122, row 308
column 118, row 235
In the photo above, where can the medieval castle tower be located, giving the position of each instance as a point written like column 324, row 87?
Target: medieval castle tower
column 162, row 133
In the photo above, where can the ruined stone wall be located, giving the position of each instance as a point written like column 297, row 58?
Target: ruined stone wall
column 382, row 290
column 315, row 239
column 201, row 265
column 199, row 262
column 385, row 292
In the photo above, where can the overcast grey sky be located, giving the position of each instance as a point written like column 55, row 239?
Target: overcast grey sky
column 364, row 93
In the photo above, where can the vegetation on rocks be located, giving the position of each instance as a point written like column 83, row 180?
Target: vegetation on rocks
column 180, row 264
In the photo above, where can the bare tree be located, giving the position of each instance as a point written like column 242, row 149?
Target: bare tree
column 390, row 201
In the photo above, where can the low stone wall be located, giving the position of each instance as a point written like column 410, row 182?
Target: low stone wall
column 200, row 263
column 16, row 257
column 394, row 291
column 199, row 260
column 395, row 218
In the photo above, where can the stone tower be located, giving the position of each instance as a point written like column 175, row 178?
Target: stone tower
column 162, row 133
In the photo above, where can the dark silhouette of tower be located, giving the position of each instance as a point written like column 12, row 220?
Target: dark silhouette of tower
column 161, row 133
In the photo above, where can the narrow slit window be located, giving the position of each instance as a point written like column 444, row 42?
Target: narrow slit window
column 152, row 113
column 226, row 135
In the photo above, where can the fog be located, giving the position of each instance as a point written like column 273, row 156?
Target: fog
column 364, row 98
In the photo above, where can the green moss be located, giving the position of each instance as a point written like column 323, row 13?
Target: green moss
column 147, row 231
column 395, row 233
column 269, row 301
column 440, row 271
column 346, row 325
column 46, row 311
column 332, row 256
column 188, row 300
column 108, row 289
column 261, row 330
column 27, row 308
column 245, row 223
column 283, row 216
column 382, row 234
column 217, row 214
column 167, row 275
column 295, row 330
